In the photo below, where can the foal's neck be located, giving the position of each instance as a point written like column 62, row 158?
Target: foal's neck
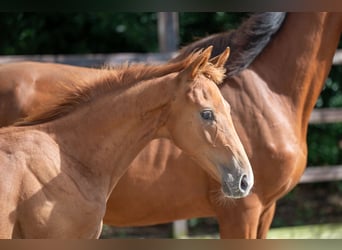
column 105, row 135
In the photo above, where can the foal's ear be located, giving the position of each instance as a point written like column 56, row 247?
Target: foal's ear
column 221, row 59
column 196, row 66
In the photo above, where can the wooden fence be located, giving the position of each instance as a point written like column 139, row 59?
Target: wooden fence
column 319, row 116
column 323, row 173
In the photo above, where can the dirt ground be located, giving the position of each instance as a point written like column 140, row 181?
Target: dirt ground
column 317, row 203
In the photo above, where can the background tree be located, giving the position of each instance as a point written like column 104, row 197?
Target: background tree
column 64, row 33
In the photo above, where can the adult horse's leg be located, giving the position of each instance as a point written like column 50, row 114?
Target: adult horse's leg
column 266, row 221
column 98, row 232
column 236, row 218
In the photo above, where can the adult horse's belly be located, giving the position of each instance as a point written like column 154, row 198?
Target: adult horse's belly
column 152, row 192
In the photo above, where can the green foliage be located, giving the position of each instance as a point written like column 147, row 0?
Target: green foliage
column 331, row 95
column 62, row 33
column 97, row 32
column 193, row 26
column 323, row 142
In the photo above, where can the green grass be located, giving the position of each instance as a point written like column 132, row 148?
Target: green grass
column 324, row 231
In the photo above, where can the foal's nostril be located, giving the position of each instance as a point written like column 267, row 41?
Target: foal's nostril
column 243, row 183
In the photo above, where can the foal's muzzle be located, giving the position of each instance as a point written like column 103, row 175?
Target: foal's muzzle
column 235, row 183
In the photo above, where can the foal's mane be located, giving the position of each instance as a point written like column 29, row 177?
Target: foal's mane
column 72, row 95
column 246, row 42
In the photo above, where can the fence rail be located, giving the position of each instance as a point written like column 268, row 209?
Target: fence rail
column 323, row 173
column 94, row 60
column 326, row 115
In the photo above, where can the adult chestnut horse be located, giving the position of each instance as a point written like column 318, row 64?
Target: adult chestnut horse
column 61, row 163
column 276, row 71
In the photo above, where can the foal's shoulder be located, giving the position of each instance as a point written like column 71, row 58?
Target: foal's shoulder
column 19, row 139
column 30, row 150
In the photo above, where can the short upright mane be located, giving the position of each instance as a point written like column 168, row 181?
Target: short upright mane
column 246, row 42
column 72, row 95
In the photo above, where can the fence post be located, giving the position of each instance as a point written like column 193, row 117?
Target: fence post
column 180, row 229
column 168, row 31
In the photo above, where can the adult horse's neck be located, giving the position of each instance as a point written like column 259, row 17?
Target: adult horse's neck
column 297, row 61
column 103, row 136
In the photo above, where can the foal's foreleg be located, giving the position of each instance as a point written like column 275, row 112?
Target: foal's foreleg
column 7, row 229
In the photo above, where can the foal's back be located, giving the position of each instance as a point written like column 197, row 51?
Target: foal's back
column 23, row 86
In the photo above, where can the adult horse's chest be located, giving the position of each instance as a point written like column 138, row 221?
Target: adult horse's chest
column 267, row 127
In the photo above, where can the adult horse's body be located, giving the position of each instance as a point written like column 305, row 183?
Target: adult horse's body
column 275, row 80
column 271, row 100
column 59, row 167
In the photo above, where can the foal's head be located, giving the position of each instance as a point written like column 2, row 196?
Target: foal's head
column 200, row 123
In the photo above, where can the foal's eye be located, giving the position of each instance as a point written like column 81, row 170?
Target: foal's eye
column 207, row 115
